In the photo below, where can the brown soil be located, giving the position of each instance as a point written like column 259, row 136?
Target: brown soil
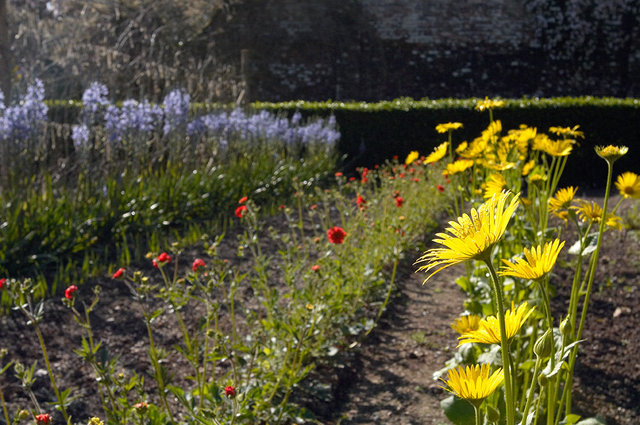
column 388, row 377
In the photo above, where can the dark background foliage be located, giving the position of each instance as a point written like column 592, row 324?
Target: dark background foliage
column 325, row 49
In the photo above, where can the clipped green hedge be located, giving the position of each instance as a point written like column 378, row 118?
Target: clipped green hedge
column 374, row 132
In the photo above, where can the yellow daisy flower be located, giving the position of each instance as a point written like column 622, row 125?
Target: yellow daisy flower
column 567, row 131
column 588, row 211
column 474, row 149
column 562, row 199
column 536, row 263
column 611, row 153
column 494, row 128
column 488, row 104
column 489, row 330
column 458, row 166
column 540, row 142
column 536, row 177
column 443, row 128
column 473, row 383
column 629, row 185
column 528, row 167
column 494, row 184
column 437, row 154
column 464, row 324
column 499, row 166
column 614, row 222
column 413, row 155
column 470, row 237
column 461, row 147
column 559, row 147
column 563, row 215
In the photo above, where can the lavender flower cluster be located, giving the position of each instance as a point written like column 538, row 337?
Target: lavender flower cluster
column 134, row 119
column 26, row 119
column 264, row 126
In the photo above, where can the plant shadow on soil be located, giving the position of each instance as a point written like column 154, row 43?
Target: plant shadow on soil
column 386, row 377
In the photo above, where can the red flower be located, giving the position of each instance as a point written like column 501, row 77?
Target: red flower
column 164, row 258
column 240, row 210
column 315, row 267
column 68, row 293
column 3, row 281
column 314, row 206
column 118, row 273
column 155, row 263
column 43, row 419
column 336, row 235
column 441, row 188
column 399, row 201
column 282, row 207
column 230, row 391
column 415, row 180
column 352, row 179
column 338, row 174
column 243, row 200
column 360, row 202
column 197, row 263
column 395, row 156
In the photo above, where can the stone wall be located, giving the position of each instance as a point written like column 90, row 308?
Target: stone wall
column 383, row 49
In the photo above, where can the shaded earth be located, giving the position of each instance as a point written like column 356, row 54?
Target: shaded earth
column 387, row 378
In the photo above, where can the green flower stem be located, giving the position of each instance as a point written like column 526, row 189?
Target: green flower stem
column 4, row 407
column 478, row 415
column 532, row 387
column 92, row 348
column 386, row 299
column 506, row 364
column 592, row 273
column 156, row 365
column 532, row 341
column 51, row 377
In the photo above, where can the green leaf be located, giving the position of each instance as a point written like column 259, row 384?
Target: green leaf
column 464, row 283
column 591, row 242
column 591, row 421
column 571, row 419
column 458, row 411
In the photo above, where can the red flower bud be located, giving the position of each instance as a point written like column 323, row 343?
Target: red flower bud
column 243, row 200
column 399, row 201
column 68, row 293
column 118, row 273
column 43, row 419
column 197, row 263
column 240, row 210
column 315, row 267
column 441, row 188
column 230, row 391
column 3, row 282
column 164, row 258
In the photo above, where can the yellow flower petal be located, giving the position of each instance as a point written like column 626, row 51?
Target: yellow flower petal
column 473, row 383
column 471, row 236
